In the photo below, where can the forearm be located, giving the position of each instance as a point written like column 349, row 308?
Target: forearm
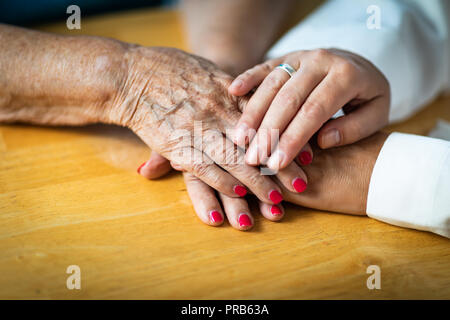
column 235, row 34
column 53, row 79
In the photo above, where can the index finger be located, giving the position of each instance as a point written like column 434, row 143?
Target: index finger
column 328, row 97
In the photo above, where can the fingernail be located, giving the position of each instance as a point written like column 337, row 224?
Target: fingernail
column 240, row 190
column 244, row 220
column 215, row 216
column 275, row 196
column 251, row 157
column 299, row 185
column 140, row 167
column 240, row 134
column 305, row 158
column 276, row 159
column 236, row 84
column 331, row 138
column 275, row 210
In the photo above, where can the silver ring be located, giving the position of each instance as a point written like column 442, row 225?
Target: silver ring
column 287, row 68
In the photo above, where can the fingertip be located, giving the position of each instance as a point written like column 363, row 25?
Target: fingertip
column 141, row 166
column 154, row 170
column 216, row 218
column 329, row 138
column 278, row 160
column 237, row 87
column 245, row 221
column 275, row 196
column 240, row 191
column 272, row 212
column 151, row 170
column 305, row 157
column 299, row 184
column 276, row 212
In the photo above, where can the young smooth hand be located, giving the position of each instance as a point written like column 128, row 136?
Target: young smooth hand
column 300, row 105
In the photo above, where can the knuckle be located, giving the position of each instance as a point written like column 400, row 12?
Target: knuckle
column 273, row 82
column 201, row 169
column 356, row 132
column 248, row 175
column 247, row 74
column 289, row 142
column 190, row 178
column 288, row 98
column 346, row 69
column 253, row 178
column 216, row 180
column 266, row 67
column 231, row 160
column 320, row 54
column 314, row 110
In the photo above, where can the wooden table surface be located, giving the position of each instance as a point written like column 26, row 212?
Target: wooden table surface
column 71, row 196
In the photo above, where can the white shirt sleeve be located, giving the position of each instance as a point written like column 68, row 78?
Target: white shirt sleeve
column 411, row 47
column 410, row 184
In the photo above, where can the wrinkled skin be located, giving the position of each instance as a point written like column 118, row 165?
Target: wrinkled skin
column 179, row 90
column 165, row 93
column 62, row 80
column 180, row 80
column 159, row 93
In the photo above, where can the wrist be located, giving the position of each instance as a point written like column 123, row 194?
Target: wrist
column 58, row 80
column 135, row 76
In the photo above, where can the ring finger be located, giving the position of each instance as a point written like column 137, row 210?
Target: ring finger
column 259, row 103
column 283, row 108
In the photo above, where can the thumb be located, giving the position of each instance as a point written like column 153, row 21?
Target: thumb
column 355, row 126
column 156, row 167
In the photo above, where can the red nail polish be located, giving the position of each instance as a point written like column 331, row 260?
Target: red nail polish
column 140, row 167
column 275, row 196
column 240, row 190
column 244, row 220
column 305, row 158
column 215, row 216
column 275, row 210
column 299, row 184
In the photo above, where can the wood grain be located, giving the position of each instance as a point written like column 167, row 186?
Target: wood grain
column 72, row 196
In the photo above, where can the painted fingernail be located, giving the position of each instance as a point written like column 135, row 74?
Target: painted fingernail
column 275, row 196
column 240, row 135
column 215, row 216
column 240, row 190
column 244, row 220
column 276, row 159
column 236, row 84
column 305, row 158
column 140, row 167
column 299, row 185
column 331, row 138
column 275, row 210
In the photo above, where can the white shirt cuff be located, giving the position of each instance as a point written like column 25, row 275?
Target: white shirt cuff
column 410, row 48
column 410, row 184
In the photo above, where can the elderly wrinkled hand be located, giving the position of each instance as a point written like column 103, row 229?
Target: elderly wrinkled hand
column 178, row 104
